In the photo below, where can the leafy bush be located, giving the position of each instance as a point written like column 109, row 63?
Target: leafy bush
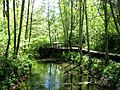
column 113, row 40
column 111, row 75
column 12, row 70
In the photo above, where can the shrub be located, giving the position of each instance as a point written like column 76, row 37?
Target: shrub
column 12, row 70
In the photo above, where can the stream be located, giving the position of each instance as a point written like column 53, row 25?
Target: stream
column 52, row 76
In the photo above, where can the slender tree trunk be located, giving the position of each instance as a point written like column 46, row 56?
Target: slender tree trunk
column 81, row 18
column 17, row 14
column 14, row 10
column 66, row 22
column 88, row 41
column 55, row 31
column 20, row 26
column 70, row 37
column 87, row 34
column 106, row 32
column 26, row 31
column 31, row 21
column 3, row 8
column 55, row 35
column 111, row 7
column 4, row 15
column 80, row 30
column 63, row 24
column 118, row 1
column 8, row 25
column 49, row 22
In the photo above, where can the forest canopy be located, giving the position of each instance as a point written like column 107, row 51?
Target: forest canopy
column 60, row 21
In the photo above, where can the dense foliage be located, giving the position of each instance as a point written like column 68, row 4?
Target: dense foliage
column 12, row 71
column 108, row 76
column 25, row 30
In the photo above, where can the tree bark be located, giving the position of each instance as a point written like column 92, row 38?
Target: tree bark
column 87, row 34
column 20, row 26
column 8, row 25
column 70, row 36
column 31, row 19
column 3, row 8
column 106, row 32
column 14, row 10
column 63, row 24
column 49, row 23
column 118, row 1
column 81, row 18
column 26, row 31
column 116, row 25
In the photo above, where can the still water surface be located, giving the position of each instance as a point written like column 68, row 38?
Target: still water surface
column 51, row 76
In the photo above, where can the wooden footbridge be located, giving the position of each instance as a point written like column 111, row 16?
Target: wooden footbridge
column 93, row 53
column 97, row 54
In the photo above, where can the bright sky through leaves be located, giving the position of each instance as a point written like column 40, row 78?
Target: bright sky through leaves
column 53, row 4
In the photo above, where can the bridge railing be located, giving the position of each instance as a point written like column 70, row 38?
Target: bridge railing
column 57, row 45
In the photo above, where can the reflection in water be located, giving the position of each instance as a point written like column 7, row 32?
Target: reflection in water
column 46, row 77
column 51, row 76
column 52, row 81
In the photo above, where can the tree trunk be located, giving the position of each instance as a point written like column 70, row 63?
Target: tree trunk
column 66, row 22
column 49, row 23
column 26, row 31
column 118, row 1
column 88, row 41
column 106, row 32
column 3, row 8
column 81, row 18
column 20, row 26
column 63, row 24
column 8, row 25
column 14, row 10
column 116, row 25
column 87, row 34
column 70, row 36
column 31, row 21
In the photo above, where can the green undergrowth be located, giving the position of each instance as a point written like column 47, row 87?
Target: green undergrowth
column 12, row 71
column 35, row 73
column 108, row 75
